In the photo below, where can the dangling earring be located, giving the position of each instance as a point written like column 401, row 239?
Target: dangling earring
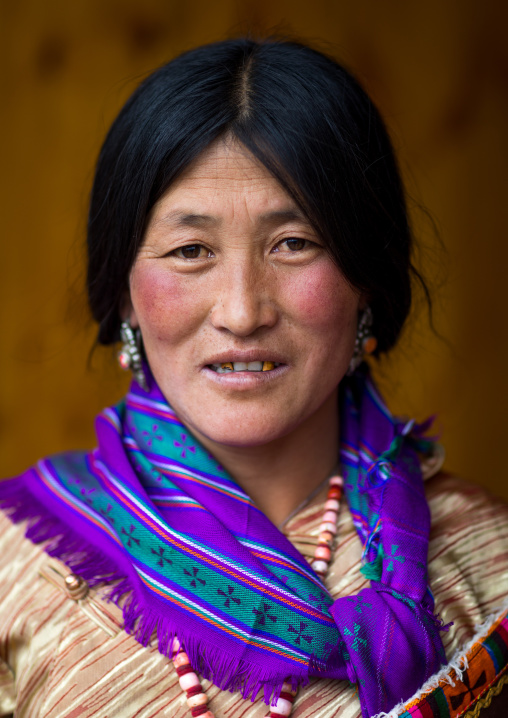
column 365, row 342
column 129, row 356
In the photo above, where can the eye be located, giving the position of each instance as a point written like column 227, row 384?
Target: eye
column 295, row 244
column 191, row 251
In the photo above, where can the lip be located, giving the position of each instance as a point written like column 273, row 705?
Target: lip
column 246, row 355
column 244, row 380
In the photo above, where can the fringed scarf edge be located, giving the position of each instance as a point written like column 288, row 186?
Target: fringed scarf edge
column 143, row 622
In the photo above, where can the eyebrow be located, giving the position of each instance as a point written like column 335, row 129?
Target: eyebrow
column 179, row 218
column 283, row 215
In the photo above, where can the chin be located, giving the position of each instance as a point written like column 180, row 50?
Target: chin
column 242, row 429
column 240, row 439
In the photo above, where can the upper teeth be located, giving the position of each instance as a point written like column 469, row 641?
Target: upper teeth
column 224, row 367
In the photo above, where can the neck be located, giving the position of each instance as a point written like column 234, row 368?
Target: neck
column 280, row 475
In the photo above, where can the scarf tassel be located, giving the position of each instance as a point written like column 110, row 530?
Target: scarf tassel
column 141, row 621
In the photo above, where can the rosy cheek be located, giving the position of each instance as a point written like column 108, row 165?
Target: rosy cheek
column 162, row 301
column 320, row 296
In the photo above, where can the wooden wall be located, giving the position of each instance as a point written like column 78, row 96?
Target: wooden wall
column 438, row 70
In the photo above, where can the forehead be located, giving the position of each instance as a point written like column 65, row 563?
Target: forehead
column 226, row 176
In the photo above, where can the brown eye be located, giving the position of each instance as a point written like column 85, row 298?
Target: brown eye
column 191, row 251
column 295, row 244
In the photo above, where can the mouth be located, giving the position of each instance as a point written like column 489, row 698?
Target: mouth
column 240, row 366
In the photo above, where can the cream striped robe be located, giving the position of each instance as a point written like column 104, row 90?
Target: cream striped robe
column 65, row 659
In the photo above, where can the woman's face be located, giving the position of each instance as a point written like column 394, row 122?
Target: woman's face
column 231, row 272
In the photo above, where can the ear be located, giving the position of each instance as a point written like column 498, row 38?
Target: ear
column 363, row 301
column 127, row 310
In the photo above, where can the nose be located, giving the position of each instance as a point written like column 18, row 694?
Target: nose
column 244, row 300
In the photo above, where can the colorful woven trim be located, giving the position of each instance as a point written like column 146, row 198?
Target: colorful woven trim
column 465, row 693
column 486, row 700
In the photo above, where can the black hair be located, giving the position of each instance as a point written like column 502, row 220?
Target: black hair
column 311, row 125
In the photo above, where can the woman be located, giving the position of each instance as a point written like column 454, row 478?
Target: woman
column 248, row 241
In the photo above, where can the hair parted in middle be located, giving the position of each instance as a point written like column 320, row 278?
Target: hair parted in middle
column 305, row 118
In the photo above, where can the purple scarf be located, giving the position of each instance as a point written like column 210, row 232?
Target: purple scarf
column 151, row 510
